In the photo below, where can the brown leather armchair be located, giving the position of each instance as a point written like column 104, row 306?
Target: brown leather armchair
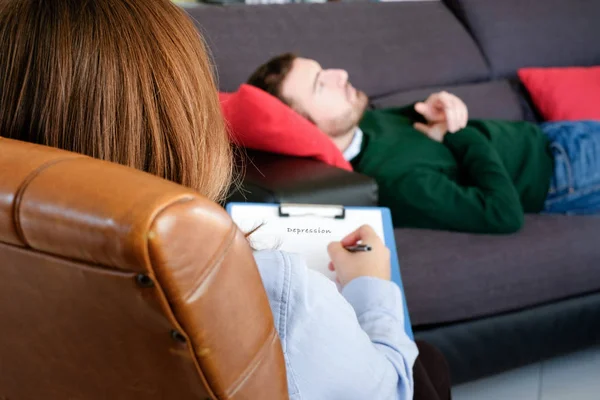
column 115, row 284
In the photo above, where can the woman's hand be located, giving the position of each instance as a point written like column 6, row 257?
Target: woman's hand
column 348, row 266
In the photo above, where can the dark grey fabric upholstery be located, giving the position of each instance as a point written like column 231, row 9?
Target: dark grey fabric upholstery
column 385, row 47
column 544, row 33
column 487, row 346
column 492, row 100
column 454, row 276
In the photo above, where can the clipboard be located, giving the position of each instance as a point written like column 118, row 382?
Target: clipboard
column 306, row 229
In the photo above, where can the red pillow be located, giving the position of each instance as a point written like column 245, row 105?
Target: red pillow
column 260, row 121
column 564, row 93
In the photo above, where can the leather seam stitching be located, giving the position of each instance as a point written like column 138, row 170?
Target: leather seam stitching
column 253, row 366
column 16, row 207
column 215, row 262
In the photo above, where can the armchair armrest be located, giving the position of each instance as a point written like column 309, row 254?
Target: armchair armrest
column 272, row 178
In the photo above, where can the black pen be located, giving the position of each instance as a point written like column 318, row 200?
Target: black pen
column 358, row 247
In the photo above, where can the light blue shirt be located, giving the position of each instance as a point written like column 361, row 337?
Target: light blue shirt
column 338, row 346
column 355, row 145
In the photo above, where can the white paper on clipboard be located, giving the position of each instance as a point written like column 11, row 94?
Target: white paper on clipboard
column 307, row 233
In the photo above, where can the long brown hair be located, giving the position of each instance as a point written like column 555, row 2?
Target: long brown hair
column 128, row 81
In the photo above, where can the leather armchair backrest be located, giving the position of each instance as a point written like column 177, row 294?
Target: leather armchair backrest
column 116, row 284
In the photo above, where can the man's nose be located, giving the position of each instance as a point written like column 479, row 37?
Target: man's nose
column 338, row 77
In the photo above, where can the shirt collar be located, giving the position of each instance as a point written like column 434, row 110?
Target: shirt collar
column 355, row 145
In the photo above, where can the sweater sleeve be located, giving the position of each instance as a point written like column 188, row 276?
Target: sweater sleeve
column 408, row 112
column 488, row 203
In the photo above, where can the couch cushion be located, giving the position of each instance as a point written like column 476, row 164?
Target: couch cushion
column 385, row 46
column 533, row 33
column 492, row 100
column 454, row 276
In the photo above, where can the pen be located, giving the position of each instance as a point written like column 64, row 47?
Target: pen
column 358, row 247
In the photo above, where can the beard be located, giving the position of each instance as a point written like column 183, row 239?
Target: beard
column 342, row 125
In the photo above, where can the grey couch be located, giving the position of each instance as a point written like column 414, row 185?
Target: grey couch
column 490, row 303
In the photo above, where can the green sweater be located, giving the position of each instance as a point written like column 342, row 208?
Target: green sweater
column 481, row 179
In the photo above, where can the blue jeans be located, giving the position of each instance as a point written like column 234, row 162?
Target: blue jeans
column 575, row 186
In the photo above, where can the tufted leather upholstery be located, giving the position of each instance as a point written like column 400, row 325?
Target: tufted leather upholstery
column 115, row 284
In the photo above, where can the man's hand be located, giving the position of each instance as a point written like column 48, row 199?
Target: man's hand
column 444, row 113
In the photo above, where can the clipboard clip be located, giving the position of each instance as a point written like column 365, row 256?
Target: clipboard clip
column 313, row 210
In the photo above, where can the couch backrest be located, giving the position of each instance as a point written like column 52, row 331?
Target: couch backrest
column 502, row 99
column 400, row 52
column 386, row 47
column 397, row 52
column 115, row 284
column 533, row 33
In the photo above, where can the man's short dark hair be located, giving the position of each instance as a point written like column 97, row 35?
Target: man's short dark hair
column 271, row 75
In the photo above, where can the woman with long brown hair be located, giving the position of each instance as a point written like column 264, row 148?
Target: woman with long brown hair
column 129, row 81
column 122, row 81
